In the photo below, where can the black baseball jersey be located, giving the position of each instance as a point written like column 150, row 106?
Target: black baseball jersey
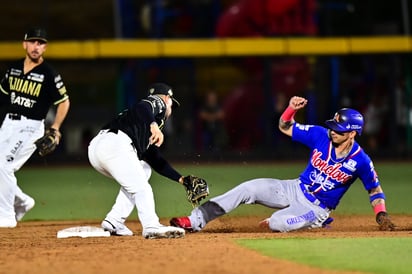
column 33, row 93
column 135, row 121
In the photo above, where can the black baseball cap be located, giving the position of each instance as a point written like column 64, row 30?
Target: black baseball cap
column 36, row 33
column 160, row 88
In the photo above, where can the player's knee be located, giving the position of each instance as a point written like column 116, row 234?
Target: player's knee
column 248, row 192
column 6, row 169
column 147, row 169
column 279, row 225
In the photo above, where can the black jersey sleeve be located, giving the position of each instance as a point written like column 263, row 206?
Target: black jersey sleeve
column 155, row 159
column 4, row 90
column 145, row 112
column 3, row 86
column 61, row 88
column 158, row 107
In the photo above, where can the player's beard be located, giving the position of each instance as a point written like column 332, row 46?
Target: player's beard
column 35, row 56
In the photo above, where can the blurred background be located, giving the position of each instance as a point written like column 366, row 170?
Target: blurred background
column 230, row 105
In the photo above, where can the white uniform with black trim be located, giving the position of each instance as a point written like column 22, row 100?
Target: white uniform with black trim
column 122, row 151
column 27, row 98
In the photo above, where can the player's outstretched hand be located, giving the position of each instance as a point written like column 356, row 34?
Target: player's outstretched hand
column 384, row 222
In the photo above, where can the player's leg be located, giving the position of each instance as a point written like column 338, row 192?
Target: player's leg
column 112, row 155
column 131, row 174
column 34, row 130
column 7, row 182
column 300, row 214
column 115, row 219
column 268, row 192
column 17, row 143
column 124, row 203
column 127, row 170
column 297, row 217
column 7, row 190
column 116, row 156
column 265, row 191
column 123, row 206
column 22, row 203
column 96, row 153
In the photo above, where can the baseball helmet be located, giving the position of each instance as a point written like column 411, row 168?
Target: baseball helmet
column 345, row 120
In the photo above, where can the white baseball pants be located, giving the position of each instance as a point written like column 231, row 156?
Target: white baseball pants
column 17, row 137
column 113, row 155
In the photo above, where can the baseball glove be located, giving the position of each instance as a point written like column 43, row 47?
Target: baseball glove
column 48, row 143
column 384, row 222
column 196, row 189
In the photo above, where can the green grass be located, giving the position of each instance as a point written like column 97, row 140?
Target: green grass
column 82, row 193
column 372, row 255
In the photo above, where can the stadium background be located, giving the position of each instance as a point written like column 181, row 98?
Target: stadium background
column 252, row 88
column 100, row 86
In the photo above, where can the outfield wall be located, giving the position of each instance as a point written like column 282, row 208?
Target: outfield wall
column 104, row 76
column 215, row 47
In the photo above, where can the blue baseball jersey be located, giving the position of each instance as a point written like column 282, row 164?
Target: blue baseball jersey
column 326, row 176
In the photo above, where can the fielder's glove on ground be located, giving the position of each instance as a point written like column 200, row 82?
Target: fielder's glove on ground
column 196, row 189
column 384, row 222
column 48, row 143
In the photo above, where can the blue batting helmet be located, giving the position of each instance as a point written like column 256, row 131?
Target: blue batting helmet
column 345, row 120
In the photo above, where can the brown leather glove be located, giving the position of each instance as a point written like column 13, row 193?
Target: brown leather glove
column 48, row 143
column 196, row 189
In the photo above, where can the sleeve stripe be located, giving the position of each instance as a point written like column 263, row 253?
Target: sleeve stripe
column 2, row 90
column 61, row 100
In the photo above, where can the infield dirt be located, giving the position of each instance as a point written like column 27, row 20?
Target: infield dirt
column 32, row 247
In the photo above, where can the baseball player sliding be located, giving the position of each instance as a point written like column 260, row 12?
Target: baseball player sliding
column 335, row 163
column 27, row 91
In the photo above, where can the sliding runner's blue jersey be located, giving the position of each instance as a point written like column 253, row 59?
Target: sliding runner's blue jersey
column 326, row 176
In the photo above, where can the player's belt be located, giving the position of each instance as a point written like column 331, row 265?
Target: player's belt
column 115, row 131
column 311, row 197
column 18, row 117
column 14, row 116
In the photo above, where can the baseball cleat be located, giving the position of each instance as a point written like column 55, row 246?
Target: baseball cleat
column 116, row 228
column 162, row 231
column 182, row 222
column 326, row 224
column 22, row 208
column 8, row 223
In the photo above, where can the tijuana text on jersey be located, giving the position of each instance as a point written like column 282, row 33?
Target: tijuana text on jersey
column 32, row 94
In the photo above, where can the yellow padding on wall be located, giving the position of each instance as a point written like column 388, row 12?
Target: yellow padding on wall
column 135, row 48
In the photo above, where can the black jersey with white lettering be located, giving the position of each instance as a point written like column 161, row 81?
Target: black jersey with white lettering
column 33, row 93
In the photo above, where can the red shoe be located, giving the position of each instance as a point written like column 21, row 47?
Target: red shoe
column 182, row 222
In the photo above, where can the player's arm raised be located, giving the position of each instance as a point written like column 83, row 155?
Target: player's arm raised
column 287, row 118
